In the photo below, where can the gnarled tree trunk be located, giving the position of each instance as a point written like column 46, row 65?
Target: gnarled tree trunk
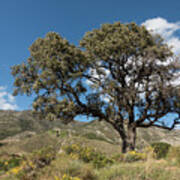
column 128, row 139
column 131, row 137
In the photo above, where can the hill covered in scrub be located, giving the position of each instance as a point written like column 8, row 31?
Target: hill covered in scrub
column 16, row 122
column 34, row 149
column 21, row 124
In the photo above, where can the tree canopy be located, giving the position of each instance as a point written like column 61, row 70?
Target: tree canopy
column 120, row 73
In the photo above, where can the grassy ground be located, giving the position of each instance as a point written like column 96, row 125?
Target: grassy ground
column 65, row 166
column 47, row 157
column 80, row 151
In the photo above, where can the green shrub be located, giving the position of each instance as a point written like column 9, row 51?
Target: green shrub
column 43, row 157
column 88, row 155
column 13, row 162
column 160, row 149
column 100, row 160
column 36, row 161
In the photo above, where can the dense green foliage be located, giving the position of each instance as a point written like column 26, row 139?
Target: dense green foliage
column 117, row 75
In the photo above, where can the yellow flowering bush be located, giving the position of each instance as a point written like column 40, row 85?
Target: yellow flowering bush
column 36, row 161
column 88, row 155
column 132, row 156
column 12, row 162
column 18, row 169
column 15, row 170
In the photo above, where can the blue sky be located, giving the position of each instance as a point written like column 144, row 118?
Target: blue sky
column 24, row 21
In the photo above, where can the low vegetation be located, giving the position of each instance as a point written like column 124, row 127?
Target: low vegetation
column 87, row 151
column 75, row 160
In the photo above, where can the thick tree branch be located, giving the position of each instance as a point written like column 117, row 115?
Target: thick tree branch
column 175, row 122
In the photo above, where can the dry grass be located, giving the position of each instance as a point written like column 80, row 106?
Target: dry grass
column 151, row 169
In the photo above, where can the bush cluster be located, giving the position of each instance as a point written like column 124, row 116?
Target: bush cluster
column 88, row 155
column 29, row 168
column 6, row 165
column 43, row 157
column 160, row 149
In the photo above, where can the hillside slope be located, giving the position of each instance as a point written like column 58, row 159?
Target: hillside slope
column 15, row 126
column 14, row 122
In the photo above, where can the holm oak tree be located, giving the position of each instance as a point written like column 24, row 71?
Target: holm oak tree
column 120, row 73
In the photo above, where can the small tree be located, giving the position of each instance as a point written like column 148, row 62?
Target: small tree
column 121, row 74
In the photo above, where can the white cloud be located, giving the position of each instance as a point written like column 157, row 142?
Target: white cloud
column 167, row 30
column 105, row 97
column 175, row 43
column 95, row 75
column 2, row 88
column 7, row 101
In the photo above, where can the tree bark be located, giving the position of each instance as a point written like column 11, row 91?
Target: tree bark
column 124, row 146
column 129, row 141
column 131, row 138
